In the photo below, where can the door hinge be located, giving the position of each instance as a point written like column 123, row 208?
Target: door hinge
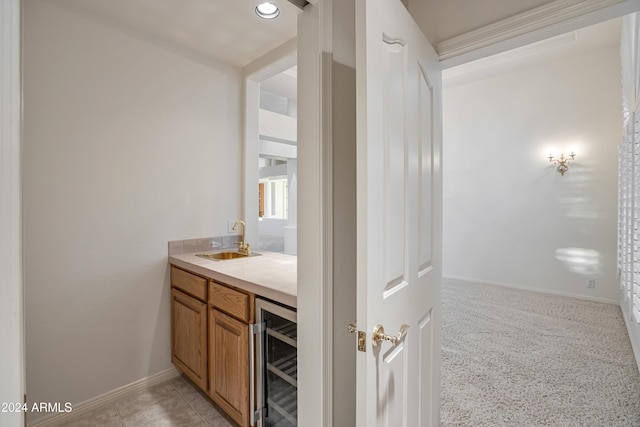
column 258, row 328
column 362, row 337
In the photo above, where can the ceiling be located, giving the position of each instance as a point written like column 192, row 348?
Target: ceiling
column 227, row 30
column 230, row 31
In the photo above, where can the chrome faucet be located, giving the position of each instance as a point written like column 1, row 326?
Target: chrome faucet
column 243, row 247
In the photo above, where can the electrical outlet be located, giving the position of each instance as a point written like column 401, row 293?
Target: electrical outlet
column 230, row 226
column 591, row 283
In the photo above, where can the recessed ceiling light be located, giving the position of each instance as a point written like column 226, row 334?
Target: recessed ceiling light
column 267, row 10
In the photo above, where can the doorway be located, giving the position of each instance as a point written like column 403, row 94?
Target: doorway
column 277, row 162
column 510, row 218
column 504, row 199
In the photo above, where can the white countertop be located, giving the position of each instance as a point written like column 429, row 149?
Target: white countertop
column 270, row 275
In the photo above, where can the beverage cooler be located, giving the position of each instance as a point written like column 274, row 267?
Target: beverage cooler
column 276, row 366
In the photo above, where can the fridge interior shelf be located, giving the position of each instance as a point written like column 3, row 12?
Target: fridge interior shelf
column 285, row 333
column 285, row 403
column 286, row 368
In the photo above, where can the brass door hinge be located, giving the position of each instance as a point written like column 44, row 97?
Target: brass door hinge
column 362, row 337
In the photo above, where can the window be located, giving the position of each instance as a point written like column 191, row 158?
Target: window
column 629, row 217
column 629, row 172
column 275, row 198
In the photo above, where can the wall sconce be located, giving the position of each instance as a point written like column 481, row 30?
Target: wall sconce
column 562, row 164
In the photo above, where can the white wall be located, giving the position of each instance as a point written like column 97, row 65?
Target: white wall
column 12, row 378
column 272, row 226
column 125, row 148
column 277, row 125
column 509, row 217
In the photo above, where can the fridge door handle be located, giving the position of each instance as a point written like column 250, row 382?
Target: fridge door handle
column 254, row 333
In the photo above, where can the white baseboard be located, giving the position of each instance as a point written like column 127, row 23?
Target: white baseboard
column 105, row 399
column 528, row 288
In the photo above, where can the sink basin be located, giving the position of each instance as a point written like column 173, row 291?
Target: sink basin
column 223, row 256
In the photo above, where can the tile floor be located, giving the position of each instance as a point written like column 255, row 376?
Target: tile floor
column 172, row 403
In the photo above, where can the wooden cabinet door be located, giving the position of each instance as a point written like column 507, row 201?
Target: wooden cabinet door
column 189, row 336
column 229, row 365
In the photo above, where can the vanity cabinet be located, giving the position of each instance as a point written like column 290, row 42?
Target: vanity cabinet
column 189, row 325
column 210, row 339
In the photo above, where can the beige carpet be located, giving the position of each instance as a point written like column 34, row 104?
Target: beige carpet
column 518, row 358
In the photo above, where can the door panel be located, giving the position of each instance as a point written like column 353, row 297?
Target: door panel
column 426, row 127
column 229, row 365
column 394, row 105
column 399, row 217
column 189, row 336
column 426, row 374
column 392, row 405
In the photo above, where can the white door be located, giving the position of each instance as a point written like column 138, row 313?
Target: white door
column 399, row 217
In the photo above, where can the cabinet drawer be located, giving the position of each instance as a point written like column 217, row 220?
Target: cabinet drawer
column 231, row 301
column 189, row 283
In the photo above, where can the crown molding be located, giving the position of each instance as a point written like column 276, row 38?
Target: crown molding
column 551, row 14
column 507, row 60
